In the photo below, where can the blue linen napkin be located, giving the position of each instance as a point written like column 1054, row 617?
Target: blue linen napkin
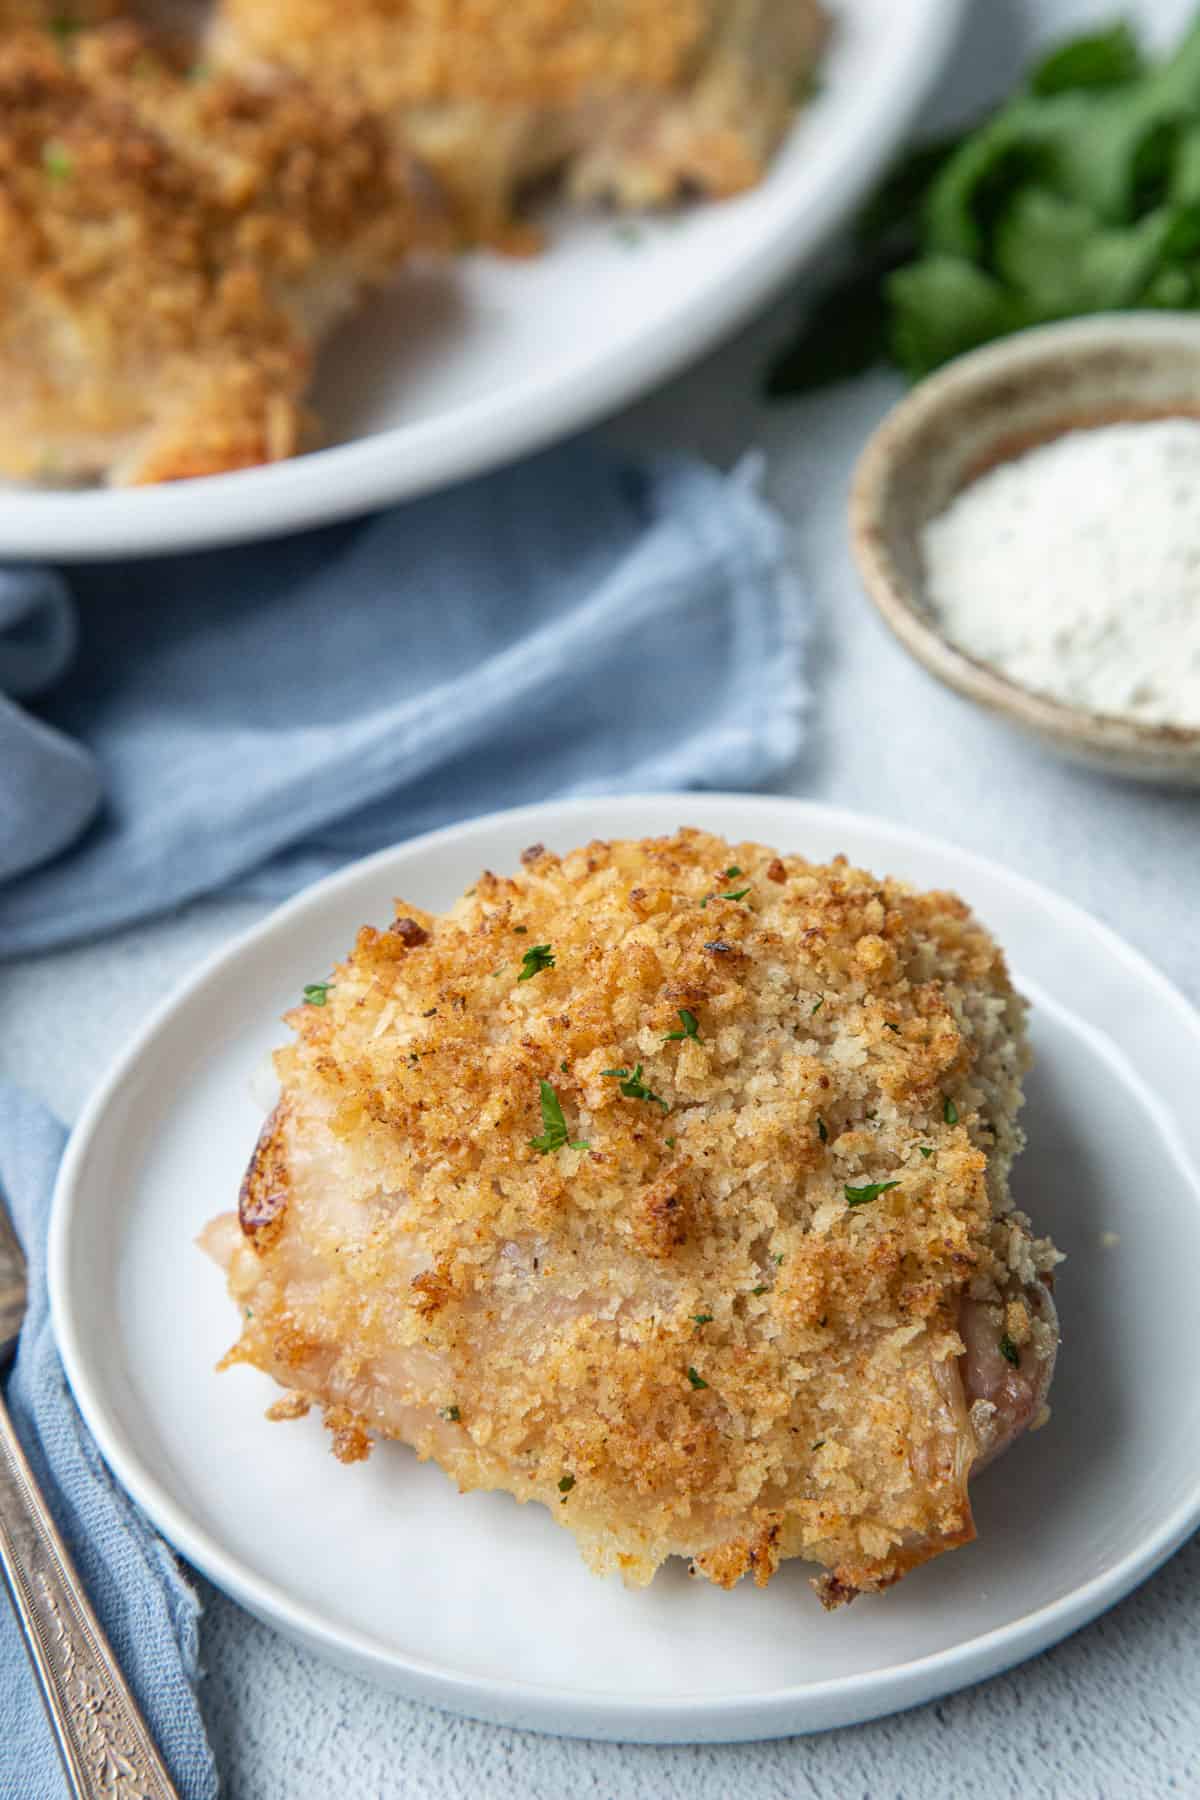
column 251, row 718
column 144, row 1603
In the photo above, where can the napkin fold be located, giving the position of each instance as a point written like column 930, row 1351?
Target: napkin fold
column 145, row 1605
column 249, row 719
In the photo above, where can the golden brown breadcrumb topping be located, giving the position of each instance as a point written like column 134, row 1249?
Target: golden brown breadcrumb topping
column 643, row 100
column 169, row 248
column 709, row 1274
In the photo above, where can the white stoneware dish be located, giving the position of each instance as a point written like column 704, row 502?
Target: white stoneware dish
column 455, row 374
column 482, row 1606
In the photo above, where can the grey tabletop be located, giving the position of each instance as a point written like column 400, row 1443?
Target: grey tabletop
column 1114, row 1711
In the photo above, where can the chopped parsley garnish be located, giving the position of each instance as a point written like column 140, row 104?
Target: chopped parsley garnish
column 670, row 1143
column 316, row 991
column 554, row 1135
column 731, row 874
column 888, row 1026
column 634, row 1088
column 822, row 1129
column 450, row 1412
column 820, row 1003
column 925, row 1150
column 565, row 1483
column 740, row 895
column 691, row 1027
column 859, row 1196
column 778, row 1259
column 760, row 1289
column 57, row 161
column 702, row 1318
column 563, row 1067
column 1009, row 1351
column 950, row 1113
column 535, row 959
column 697, row 1381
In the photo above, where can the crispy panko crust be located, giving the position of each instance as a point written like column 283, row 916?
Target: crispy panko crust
column 721, row 1313
column 641, row 100
column 171, row 246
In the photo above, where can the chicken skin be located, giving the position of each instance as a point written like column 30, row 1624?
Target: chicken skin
column 665, row 1183
column 172, row 246
column 638, row 101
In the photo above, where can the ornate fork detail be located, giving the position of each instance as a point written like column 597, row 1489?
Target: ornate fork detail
column 106, row 1748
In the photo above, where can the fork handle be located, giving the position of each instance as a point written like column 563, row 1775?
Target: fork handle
column 105, row 1744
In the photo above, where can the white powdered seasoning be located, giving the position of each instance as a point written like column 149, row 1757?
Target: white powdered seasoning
column 1075, row 569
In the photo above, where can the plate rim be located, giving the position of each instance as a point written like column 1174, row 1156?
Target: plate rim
column 579, row 1712
column 404, row 461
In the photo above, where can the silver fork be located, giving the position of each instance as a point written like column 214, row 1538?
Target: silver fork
column 105, row 1745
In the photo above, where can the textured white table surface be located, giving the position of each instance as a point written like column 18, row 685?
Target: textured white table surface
column 1115, row 1711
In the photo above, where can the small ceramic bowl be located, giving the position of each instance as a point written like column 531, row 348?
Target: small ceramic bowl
column 979, row 411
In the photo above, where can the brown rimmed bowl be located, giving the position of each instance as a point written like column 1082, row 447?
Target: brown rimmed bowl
column 981, row 410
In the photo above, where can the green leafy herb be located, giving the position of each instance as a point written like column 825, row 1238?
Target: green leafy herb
column 697, row 1381
column 860, row 1196
column 843, row 335
column 732, row 873
column 1078, row 195
column 777, row 1260
column 818, row 1005
column 565, row 1483
column 634, row 1088
column 249, row 1311
column 760, row 1289
column 925, row 1149
column 691, row 1027
column 1104, row 60
column 950, row 1112
column 888, row 1026
column 535, row 959
column 554, row 1126
column 451, row 1413
column 669, row 1142
column 1009, row 1351
column 57, row 161
column 562, row 1067
column 740, row 895
column 822, row 1130
column 316, row 992
column 703, row 1318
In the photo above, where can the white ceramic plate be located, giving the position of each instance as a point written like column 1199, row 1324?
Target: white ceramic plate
column 455, row 373
column 483, row 1606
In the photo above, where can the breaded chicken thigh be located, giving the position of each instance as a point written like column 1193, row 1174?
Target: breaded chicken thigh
column 640, row 101
column 665, row 1183
column 171, row 249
